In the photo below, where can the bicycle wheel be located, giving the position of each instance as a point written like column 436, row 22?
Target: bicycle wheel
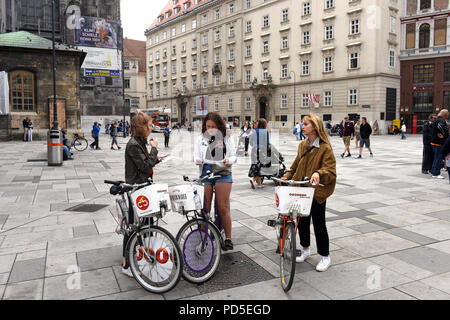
column 201, row 251
column 80, row 144
column 159, row 270
column 288, row 257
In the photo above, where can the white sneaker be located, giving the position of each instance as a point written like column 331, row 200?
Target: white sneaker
column 305, row 255
column 324, row 264
column 127, row 272
column 438, row 177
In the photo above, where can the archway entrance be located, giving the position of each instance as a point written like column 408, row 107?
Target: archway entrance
column 263, row 108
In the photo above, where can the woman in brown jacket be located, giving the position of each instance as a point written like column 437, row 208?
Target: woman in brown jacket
column 316, row 161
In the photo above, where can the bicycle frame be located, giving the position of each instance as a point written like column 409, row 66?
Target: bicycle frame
column 286, row 220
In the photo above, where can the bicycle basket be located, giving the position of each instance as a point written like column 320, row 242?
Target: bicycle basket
column 288, row 198
column 187, row 198
column 147, row 202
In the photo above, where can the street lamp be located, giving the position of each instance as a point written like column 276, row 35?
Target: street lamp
column 55, row 109
column 295, row 95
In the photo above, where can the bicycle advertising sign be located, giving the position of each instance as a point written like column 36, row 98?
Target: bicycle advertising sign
column 288, row 198
column 183, row 198
column 147, row 201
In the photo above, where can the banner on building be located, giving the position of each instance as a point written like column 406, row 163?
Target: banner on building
column 202, row 105
column 97, row 32
column 4, row 93
column 315, row 99
column 101, row 73
column 104, row 59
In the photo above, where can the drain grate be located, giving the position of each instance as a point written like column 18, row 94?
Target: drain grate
column 89, row 208
column 235, row 270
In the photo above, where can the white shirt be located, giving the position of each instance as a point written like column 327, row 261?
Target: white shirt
column 202, row 145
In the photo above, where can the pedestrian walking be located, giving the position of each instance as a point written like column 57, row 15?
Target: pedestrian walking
column 348, row 134
column 261, row 156
column 438, row 139
column 167, row 133
column 113, row 133
column 95, row 135
column 297, row 130
column 375, row 127
column 302, row 135
column 357, row 133
column 25, row 129
column 30, row 130
column 365, row 132
column 246, row 131
column 427, row 155
column 403, row 130
column 315, row 159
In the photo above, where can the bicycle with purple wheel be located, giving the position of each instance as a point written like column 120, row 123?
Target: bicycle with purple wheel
column 201, row 239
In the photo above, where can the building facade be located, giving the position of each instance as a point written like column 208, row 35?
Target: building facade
column 425, row 61
column 275, row 59
column 135, row 68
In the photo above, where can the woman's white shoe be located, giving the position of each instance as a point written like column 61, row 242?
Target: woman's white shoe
column 127, row 272
column 324, row 264
column 305, row 255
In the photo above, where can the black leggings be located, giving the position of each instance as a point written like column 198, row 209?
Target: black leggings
column 320, row 229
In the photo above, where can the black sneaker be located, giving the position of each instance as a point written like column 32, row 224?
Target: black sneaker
column 359, row 157
column 343, row 155
column 229, row 246
column 349, row 155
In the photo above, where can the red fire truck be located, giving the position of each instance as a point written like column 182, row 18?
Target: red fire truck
column 159, row 119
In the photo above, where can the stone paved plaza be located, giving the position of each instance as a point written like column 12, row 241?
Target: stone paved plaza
column 389, row 228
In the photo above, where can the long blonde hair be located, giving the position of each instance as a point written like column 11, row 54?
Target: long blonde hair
column 319, row 127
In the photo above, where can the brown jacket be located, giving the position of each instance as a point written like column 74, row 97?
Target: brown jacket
column 319, row 160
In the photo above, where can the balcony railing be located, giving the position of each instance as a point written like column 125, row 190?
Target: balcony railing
column 424, row 51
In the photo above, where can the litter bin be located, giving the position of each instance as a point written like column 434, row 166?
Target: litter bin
column 55, row 150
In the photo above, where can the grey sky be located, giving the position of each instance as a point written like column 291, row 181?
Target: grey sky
column 138, row 15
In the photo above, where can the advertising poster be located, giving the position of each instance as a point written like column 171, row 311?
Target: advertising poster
column 97, row 32
column 202, row 105
column 102, row 62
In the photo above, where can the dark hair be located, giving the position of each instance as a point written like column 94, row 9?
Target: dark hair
column 262, row 123
column 217, row 119
column 364, row 118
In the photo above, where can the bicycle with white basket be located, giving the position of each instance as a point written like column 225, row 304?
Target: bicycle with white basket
column 152, row 252
column 293, row 203
column 201, row 239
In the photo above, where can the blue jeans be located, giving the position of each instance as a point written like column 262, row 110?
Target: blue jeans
column 403, row 136
column 297, row 135
column 302, row 136
column 224, row 179
column 437, row 162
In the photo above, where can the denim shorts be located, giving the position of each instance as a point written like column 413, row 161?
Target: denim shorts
column 225, row 179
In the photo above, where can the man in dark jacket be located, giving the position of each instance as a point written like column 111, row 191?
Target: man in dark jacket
column 26, row 127
column 365, row 132
column 438, row 138
column 95, row 135
column 348, row 133
column 427, row 157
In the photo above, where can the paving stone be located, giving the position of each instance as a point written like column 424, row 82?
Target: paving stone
column 6, row 262
column 421, row 291
column 443, row 215
column 351, row 280
column 95, row 283
column 426, row 258
column 32, row 255
column 84, row 231
column 369, row 205
column 183, row 291
column 133, row 295
column 100, row 258
column 367, row 228
column 443, row 246
column 60, row 264
column 3, row 218
column 440, row 282
column 28, row 290
column 412, row 236
column 389, row 294
column 402, row 267
column 125, row 283
column 439, row 230
column 3, row 279
column 27, row 270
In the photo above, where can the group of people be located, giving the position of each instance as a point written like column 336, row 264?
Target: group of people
column 27, row 129
column 215, row 152
column 436, row 145
column 122, row 127
column 360, row 132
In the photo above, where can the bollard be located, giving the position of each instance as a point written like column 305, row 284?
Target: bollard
column 54, row 149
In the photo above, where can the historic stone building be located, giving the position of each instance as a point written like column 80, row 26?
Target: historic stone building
column 93, row 26
column 27, row 59
column 247, row 58
column 135, row 66
column 425, row 60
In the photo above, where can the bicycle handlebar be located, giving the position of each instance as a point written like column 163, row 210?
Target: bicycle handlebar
column 209, row 176
column 294, row 183
column 132, row 186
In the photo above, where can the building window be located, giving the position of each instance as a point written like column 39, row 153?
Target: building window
column 217, row 55
column 266, row 46
column 265, row 21
column 205, row 39
column 446, row 103
column 354, row 60
column 22, row 90
column 329, row 4
column 194, row 43
column 248, row 4
column 248, row 76
column 217, row 35
column 231, row 54
column 126, row 65
column 127, row 83
column 284, row 71
column 425, row 4
column 410, row 36
column 231, row 32
column 305, row 100
column 424, row 73
column 194, row 24
column 183, row 27
column 248, row 26
column 216, row 105
column 305, row 67
column 306, row 39
column 231, row 8
column 204, row 82
column 328, row 99
column 423, row 102
column 440, row 32
column 194, row 84
column 284, row 101
column 328, row 64
column 284, row 42
column 248, row 103
column 393, row 25
column 230, row 104
column 353, row 97
column 265, row 74
column 306, row 8
column 447, row 71
column 248, row 51
column 285, row 15
column 204, row 60
column 231, row 78
column 354, row 26
column 424, row 36
column 329, row 32
column 391, row 58
column 217, row 14
column 217, row 78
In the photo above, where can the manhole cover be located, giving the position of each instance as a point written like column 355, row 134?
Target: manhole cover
column 87, row 208
column 235, row 270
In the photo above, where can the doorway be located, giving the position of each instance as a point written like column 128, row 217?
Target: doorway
column 183, row 114
column 263, row 106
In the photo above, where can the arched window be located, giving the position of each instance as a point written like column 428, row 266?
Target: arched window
column 425, row 4
column 424, row 36
column 22, row 90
